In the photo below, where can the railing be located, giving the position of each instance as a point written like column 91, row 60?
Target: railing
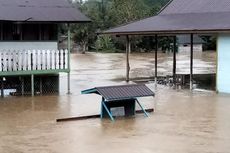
column 33, row 60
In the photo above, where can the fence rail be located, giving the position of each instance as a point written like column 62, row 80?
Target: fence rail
column 32, row 60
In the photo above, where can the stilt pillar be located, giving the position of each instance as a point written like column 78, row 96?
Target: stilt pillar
column 174, row 60
column 191, row 63
column 128, row 50
column 156, row 49
column 69, row 48
column 32, row 85
column 2, row 87
column 23, row 85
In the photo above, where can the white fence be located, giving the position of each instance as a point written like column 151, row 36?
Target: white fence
column 32, row 60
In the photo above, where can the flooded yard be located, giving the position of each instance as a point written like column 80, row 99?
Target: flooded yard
column 183, row 121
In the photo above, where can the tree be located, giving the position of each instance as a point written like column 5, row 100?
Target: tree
column 80, row 35
column 110, row 13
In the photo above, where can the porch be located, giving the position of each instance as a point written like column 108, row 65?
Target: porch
column 28, row 72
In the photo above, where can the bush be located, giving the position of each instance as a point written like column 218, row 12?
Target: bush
column 104, row 44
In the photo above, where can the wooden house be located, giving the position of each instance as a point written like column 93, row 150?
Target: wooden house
column 30, row 61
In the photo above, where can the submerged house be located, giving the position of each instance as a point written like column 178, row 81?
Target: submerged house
column 30, row 61
column 193, row 17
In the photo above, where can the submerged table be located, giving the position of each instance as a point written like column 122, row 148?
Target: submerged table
column 120, row 96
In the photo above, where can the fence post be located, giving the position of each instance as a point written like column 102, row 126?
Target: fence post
column 61, row 59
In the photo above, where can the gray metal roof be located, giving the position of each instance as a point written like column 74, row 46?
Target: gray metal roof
column 183, row 16
column 40, row 11
column 111, row 93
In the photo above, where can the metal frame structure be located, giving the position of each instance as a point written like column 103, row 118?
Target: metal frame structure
column 103, row 105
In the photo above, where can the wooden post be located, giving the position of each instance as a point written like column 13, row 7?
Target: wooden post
column 69, row 47
column 23, row 85
column 191, row 63
column 32, row 85
column 2, row 87
column 128, row 50
column 156, row 49
column 40, row 85
column 174, row 60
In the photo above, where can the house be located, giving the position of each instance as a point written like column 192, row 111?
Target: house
column 184, row 44
column 30, row 61
column 193, row 17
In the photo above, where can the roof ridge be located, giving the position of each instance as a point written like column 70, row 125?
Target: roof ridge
column 126, row 85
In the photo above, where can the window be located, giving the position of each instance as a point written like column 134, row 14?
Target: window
column 28, row 32
column 49, row 32
column 1, row 34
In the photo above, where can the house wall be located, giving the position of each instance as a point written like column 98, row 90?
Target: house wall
column 187, row 48
column 51, row 45
column 223, row 63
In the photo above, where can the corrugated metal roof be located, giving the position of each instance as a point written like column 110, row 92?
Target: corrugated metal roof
column 111, row 93
column 40, row 11
column 183, row 16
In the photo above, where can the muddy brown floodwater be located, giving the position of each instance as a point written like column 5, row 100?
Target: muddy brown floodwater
column 183, row 121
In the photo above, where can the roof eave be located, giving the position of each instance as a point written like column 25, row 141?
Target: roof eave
column 168, row 32
column 86, row 21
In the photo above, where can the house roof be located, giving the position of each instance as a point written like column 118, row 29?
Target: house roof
column 40, row 11
column 111, row 93
column 182, row 16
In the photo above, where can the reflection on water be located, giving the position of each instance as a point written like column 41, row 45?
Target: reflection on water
column 183, row 122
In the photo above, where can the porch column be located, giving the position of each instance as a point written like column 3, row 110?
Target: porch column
column 128, row 50
column 69, row 47
column 174, row 60
column 156, row 49
column 32, row 85
column 191, row 63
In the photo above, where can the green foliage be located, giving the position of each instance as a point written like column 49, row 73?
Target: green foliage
column 104, row 43
column 128, row 10
column 209, row 42
column 109, row 13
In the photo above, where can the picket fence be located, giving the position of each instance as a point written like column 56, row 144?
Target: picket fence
column 32, row 60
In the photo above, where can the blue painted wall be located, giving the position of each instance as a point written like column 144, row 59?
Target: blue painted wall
column 223, row 63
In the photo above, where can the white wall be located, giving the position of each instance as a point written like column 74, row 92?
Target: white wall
column 223, row 63
column 28, row 45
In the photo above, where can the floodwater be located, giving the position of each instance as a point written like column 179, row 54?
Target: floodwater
column 183, row 121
